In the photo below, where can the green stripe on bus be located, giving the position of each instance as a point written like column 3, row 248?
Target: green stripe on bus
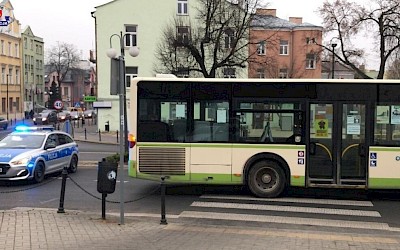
column 212, row 145
column 384, row 149
column 298, row 181
column 384, row 183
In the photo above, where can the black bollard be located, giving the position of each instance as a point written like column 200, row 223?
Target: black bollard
column 85, row 135
column 103, row 205
column 99, row 135
column 163, row 219
column 62, row 195
column 117, row 136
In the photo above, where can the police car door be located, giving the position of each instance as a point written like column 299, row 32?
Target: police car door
column 52, row 154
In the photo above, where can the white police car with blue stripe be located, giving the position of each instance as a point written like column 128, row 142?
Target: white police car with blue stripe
column 33, row 152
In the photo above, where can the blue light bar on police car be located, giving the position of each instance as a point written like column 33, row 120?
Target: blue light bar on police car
column 24, row 128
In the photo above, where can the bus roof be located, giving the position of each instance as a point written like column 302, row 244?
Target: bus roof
column 265, row 80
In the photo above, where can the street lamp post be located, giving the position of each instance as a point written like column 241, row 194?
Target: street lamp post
column 7, row 98
column 112, row 53
column 333, row 44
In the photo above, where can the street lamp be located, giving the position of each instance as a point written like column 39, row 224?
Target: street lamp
column 112, row 53
column 7, row 98
column 333, row 44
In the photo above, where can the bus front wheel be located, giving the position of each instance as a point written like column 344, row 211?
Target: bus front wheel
column 266, row 179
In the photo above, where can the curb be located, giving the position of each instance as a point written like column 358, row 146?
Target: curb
column 88, row 163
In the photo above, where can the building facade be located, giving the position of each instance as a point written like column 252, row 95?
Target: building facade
column 142, row 24
column 32, row 69
column 11, row 87
column 77, row 83
column 283, row 49
column 143, row 21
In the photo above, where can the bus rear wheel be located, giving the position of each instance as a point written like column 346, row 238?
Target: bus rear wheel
column 266, row 179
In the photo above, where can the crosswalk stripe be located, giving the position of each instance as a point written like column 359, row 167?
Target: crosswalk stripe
column 293, row 200
column 285, row 220
column 313, row 210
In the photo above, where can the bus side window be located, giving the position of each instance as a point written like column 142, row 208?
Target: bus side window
column 150, row 131
column 179, row 130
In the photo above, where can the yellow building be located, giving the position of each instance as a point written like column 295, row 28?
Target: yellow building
column 11, row 84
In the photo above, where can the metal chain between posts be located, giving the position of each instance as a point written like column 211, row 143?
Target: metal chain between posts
column 99, row 198
column 80, row 187
column 36, row 186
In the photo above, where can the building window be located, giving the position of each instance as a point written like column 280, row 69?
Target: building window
column 229, row 38
column 25, row 43
column 261, row 73
column 17, row 103
column 66, row 92
column 131, row 72
column 17, row 76
column 130, row 35
column 3, row 75
column 31, row 44
column 310, row 40
column 310, row 61
column 229, row 73
column 183, row 35
column 2, row 47
column 284, row 47
column 10, row 75
column 182, row 7
column 16, row 50
column 261, row 48
column 9, row 49
column 283, row 73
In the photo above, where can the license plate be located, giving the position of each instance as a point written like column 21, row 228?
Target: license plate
column 1, row 170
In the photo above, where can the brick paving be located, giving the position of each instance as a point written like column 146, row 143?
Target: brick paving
column 30, row 228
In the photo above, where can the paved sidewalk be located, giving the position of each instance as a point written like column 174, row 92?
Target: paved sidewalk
column 28, row 228
column 89, row 132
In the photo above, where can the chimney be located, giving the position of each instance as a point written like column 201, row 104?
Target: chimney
column 296, row 20
column 266, row 12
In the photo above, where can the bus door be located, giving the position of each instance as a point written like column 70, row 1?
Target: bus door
column 337, row 148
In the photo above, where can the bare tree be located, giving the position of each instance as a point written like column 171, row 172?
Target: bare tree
column 216, row 38
column 393, row 71
column 379, row 19
column 61, row 58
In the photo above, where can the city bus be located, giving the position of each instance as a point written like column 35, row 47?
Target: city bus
column 267, row 134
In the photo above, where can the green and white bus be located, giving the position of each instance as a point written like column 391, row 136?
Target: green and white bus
column 268, row 134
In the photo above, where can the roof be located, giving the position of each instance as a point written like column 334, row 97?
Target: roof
column 273, row 22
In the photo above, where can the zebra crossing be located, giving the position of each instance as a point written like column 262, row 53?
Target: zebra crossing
column 351, row 214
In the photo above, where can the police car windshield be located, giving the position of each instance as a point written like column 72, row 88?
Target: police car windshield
column 22, row 141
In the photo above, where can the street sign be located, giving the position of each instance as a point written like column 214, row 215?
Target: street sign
column 58, row 104
column 89, row 98
column 77, row 105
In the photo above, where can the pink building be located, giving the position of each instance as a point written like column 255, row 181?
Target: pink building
column 283, row 49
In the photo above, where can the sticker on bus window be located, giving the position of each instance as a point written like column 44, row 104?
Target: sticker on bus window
column 321, row 128
column 395, row 115
column 382, row 114
column 221, row 116
column 353, row 124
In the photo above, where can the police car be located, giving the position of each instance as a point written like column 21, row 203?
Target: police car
column 33, row 152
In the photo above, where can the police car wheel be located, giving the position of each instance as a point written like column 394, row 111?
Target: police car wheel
column 38, row 175
column 73, row 166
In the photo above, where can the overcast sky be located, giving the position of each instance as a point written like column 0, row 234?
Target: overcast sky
column 71, row 22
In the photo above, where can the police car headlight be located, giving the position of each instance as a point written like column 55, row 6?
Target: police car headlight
column 22, row 161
